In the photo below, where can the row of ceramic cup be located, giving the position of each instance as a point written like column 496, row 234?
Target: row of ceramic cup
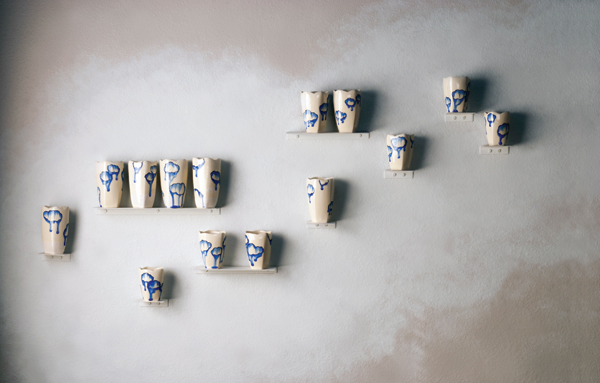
column 206, row 175
column 456, row 98
column 346, row 106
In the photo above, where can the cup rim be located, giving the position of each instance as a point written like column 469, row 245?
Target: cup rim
column 212, row 232
column 319, row 178
column 54, row 207
column 346, row 90
column 259, row 232
column 150, row 268
column 206, row 158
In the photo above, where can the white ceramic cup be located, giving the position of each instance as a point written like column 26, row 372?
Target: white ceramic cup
column 151, row 283
column 346, row 107
column 173, row 182
column 109, row 183
column 497, row 125
column 212, row 248
column 456, row 94
column 400, row 150
column 314, row 111
column 55, row 229
column 206, row 174
column 142, row 183
column 258, row 248
column 320, row 198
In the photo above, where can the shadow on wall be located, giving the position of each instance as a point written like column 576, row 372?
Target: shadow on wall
column 419, row 151
column 170, row 288
column 340, row 200
column 520, row 128
column 72, row 233
column 479, row 95
column 277, row 250
column 543, row 325
column 224, row 185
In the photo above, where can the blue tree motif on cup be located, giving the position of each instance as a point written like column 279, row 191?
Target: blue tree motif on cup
column 399, row 144
column 340, row 117
column 216, row 253
column 205, row 246
column 323, row 111
column 254, row 252
column 200, row 195
column 198, row 167
column 490, row 119
column 99, row 199
column 106, row 179
column 309, row 119
column 171, row 169
column 311, row 192
column 390, row 151
column 65, row 234
column 53, row 216
column 350, row 103
column 150, row 176
column 151, row 285
column 113, row 170
column 177, row 191
column 358, row 99
column 448, row 103
column 330, row 208
column 458, row 96
column 323, row 184
column 215, row 176
column 136, row 170
column 502, row 129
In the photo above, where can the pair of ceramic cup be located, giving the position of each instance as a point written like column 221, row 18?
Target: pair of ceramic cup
column 258, row 248
column 400, row 150
column 346, row 106
column 55, row 229
column 206, row 175
column 320, row 198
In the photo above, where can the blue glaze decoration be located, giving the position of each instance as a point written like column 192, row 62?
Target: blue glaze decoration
column 198, row 167
column 177, row 190
column 309, row 119
column 216, row 253
column 448, row 103
column 390, row 152
column 399, row 144
column 150, row 177
column 311, row 192
column 154, row 286
column 490, row 119
column 270, row 238
column 458, row 96
column 254, row 252
column 323, row 111
column 136, row 170
column 146, row 278
column 106, row 179
column 122, row 179
column 323, row 185
column 350, row 103
column 205, row 246
column 358, row 99
column 171, row 169
column 504, row 128
column 412, row 142
column 65, row 234
column 99, row 199
column 215, row 176
column 223, row 246
column 340, row 117
column 200, row 195
column 330, row 208
column 113, row 170
column 53, row 216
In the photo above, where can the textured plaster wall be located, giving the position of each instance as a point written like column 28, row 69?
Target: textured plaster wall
column 481, row 269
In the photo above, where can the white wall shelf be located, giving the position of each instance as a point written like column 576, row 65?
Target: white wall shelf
column 235, row 270
column 328, row 225
column 56, row 257
column 494, row 150
column 326, row 136
column 460, row 117
column 156, row 304
column 399, row 174
column 162, row 210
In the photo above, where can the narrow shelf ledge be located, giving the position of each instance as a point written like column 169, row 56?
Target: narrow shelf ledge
column 161, row 210
column 326, row 136
column 460, row 117
column 156, row 304
column 399, row 174
column 328, row 225
column 56, row 257
column 494, row 150
column 235, row 270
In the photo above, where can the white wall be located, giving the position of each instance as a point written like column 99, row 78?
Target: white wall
column 481, row 269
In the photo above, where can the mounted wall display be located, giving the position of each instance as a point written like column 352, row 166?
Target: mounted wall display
column 497, row 126
column 212, row 248
column 346, row 107
column 314, row 110
column 206, row 175
column 174, row 175
column 456, row 98
column 258, row 248
column 109, row 183
column 320, row 198
column 400, row 150
column 55, row 229
column 151, row 283
column 142, row 183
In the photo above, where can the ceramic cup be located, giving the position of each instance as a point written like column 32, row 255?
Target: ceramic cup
column 109, row 183
column 456, row 94
column 151, row 283
column 400, row 150
column 206, row 174
column 314, row 110
column 173, row 182
column 258, row 248
column 55, row 229
column 212, row 248
column 346, row 106
column 320, row 198
column 497, row 125
column 142, row 183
